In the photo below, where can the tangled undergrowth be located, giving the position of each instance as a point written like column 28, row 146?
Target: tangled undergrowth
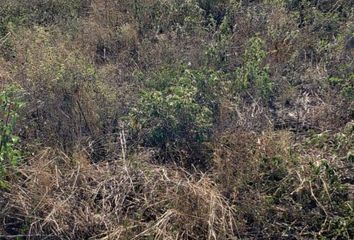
column 259, row 182
column 179, row 119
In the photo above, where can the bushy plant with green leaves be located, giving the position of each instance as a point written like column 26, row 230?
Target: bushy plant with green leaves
column 176, row 112
column 9, row 106
column 217, row 51
column 345, row 85
column 253, row 75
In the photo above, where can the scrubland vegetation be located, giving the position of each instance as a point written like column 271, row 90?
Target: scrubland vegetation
column 176, row 119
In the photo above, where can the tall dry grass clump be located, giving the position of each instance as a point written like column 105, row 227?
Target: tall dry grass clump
column 58, row 197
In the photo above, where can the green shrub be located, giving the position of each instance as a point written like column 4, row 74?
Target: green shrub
column 9, row 106
column 344, row 83
column 176, row 112
column 252, row 75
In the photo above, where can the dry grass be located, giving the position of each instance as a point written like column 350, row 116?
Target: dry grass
column 288, row 188
column 61, row 198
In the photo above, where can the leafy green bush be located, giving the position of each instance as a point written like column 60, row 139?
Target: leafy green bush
column 9, row 106
column 252, row 75
column 345, row 85
column 176, row 112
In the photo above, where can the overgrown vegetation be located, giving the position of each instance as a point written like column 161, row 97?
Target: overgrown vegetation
column 181, row 119
column 9, row 154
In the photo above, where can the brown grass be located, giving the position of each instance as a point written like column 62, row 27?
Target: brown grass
column 70, row 199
